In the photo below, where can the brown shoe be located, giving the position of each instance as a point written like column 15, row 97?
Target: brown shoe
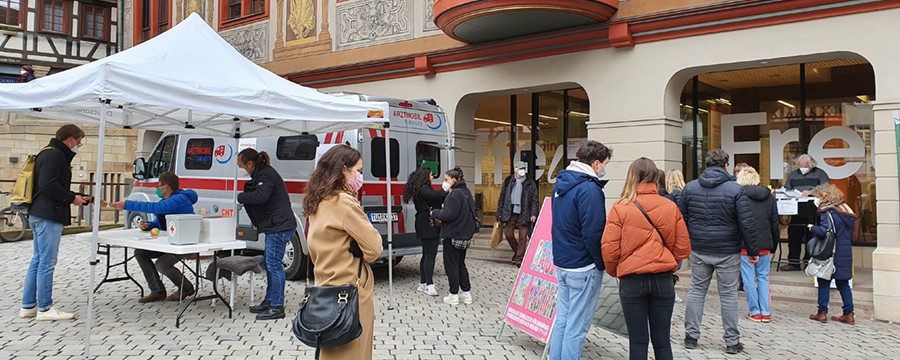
column 153, row 297
column 178, row 295
column 821, row 316
column 846, row 319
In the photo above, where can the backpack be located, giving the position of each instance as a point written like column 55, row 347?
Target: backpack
column 21, row 194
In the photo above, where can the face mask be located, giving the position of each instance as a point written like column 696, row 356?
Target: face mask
column 602, row 174
column 243, row 173
column 804, row 171
column 159, row 192
column 521, row 173
column 357, row 183
column 23, row 72
column 75, row 148
column 816, row 202
column 445, row 186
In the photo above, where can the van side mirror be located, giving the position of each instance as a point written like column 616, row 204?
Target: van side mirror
column 140, row 169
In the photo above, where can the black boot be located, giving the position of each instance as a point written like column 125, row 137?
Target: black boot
column 272, row 313
column 263, row 306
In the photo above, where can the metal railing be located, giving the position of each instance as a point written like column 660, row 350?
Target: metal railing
column 114, row 188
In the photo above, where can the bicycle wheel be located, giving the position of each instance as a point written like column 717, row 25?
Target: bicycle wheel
column 12, row 225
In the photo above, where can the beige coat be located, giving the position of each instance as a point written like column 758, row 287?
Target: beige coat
column 340, row 220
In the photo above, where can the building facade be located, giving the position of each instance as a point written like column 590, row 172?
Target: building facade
column 532, row 80
column 47, row 37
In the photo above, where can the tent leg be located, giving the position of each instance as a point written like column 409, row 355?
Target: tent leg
column 390, row 215
column 98, row 188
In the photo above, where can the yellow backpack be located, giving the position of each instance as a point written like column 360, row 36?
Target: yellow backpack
column 22, row 192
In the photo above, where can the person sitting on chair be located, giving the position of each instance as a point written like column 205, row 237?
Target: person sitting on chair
column 174, row 201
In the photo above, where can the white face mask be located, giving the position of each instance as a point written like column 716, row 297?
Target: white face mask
column 23, row 72
column 75, row 148
column 242, row 172
column 816, row 202
column 804, row 171
column 445, row 186
column 521, row 173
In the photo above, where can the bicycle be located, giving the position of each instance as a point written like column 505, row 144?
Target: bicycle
column 13, row 222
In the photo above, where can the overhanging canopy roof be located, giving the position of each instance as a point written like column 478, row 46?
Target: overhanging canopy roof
column 188, row 79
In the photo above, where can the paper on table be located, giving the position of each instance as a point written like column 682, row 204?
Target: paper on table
column 787, row 207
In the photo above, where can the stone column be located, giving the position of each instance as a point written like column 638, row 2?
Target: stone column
column 886, row 258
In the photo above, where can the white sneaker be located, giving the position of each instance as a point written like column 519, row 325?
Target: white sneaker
column 467, row 297
column 678, row 299
column 28, row 313
column 430, row 290
column 421, row 287
column 452, row 299
column 54, row 314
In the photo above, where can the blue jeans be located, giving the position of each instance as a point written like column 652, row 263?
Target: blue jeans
column 275, row 245
column 576, row 301
column 39, row 278
column 843, row 287
column 756, row 284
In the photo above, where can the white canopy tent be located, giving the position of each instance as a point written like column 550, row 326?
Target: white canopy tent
column 187, row 79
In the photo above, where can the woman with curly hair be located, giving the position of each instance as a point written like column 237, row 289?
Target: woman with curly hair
column 835, row 214
column 418, row 190
column 342, row 241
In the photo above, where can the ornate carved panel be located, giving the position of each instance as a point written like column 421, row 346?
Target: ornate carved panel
column 301, row 21
column 373, row 22
column 251, row 41
column 429, row 16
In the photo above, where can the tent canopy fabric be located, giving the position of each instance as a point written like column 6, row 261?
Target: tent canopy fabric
column 186, row 79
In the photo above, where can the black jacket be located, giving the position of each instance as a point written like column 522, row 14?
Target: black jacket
column 266, row 200
column 675, row 196
column 717, row 215
column 765, row 213
column 51, row 198
column 529, row 201
column 458, row 215
column 426, row 200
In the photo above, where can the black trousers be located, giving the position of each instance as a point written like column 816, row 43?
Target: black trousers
column 426, row 265
column 798, row 233
column 648, row 299
column 455, row 267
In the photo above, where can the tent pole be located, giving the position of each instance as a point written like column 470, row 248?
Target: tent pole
column 95, row 222
column 390, row 214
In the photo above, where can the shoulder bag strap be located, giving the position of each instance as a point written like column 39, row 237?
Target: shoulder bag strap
column 834, row 230
column 661, row 238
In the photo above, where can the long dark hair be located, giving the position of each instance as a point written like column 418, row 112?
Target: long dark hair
column 417, row 179
column 328, row 178
column 259, row 159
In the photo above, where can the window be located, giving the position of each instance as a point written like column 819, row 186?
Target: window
column 301, row 147
column 94, row 22
column 429, row 155
column 236, row 12
column 198, row 155
column 162, row 158
column 9, row 12
column 153, row 16
column 54, row 16
column 378, row 158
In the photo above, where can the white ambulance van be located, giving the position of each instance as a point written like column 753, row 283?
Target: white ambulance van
column 419, row 135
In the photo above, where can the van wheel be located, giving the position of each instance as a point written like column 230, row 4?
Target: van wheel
column 396, row 260
column 134, row 220
column 294, row 261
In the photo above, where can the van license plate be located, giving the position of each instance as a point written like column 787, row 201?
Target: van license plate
column 381, row 217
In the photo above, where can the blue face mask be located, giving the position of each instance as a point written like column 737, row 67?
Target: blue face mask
column 159, row 192
column 601, row 175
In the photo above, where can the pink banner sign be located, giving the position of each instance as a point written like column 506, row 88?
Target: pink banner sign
column 532, row 304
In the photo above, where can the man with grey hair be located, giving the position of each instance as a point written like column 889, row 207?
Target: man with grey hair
column 720, row 222
column 517, row 209
column 806, row 177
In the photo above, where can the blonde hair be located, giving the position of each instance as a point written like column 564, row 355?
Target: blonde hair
column 738, row 167
column 829, row 194
column 748, row 176
column 642, row 170
column 674, row 180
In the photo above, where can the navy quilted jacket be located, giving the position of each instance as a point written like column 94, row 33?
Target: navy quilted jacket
column 717, row 214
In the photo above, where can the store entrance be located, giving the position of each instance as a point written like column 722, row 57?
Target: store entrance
column 543, row 129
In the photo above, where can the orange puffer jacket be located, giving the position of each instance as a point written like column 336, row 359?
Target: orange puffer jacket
column 630, row 245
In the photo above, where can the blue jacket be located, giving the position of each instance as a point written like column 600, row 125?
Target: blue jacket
column 180, row 202
column 718, row 216
column 844, row 224
column 579, row 216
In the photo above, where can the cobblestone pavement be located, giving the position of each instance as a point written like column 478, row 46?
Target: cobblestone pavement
column 419, row 327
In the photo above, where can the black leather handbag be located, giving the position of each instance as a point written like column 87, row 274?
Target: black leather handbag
column 328, row 315
column 822, row 248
